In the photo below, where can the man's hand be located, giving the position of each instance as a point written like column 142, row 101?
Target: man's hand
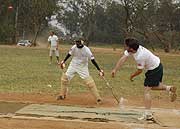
column 131, row 78
column 139, row 71
column 101, row 73
column 62, row 64
column 113, row 73
column 48, row 46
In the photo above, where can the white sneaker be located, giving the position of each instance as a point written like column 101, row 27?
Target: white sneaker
column 143, row 117
column 146, row 116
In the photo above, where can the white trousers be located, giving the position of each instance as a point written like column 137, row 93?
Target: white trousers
column 83, row 71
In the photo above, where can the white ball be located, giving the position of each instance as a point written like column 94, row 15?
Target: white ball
column 49, row 85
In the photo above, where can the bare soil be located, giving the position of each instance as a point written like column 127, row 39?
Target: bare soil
column 84, row 100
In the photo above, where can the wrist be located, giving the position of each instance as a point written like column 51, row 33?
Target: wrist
column 131, row 76
column 100, row 70
column 115, row 70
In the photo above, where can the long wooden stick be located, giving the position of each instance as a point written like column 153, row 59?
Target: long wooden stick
column 109, row 87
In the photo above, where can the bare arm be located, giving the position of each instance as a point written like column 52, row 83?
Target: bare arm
column 49, row 43
column 48, row 46
column 139, row 71
column 57, row 44
column 119, row 64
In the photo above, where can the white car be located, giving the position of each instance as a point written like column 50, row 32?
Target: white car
column 26, row 43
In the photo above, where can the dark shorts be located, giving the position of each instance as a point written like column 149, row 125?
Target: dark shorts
column 154, row 77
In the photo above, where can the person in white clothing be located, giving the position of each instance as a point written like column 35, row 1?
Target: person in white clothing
column 153, row 77
column 79, row 64
column 53, row 44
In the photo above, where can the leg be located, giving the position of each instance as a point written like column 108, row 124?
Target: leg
column 170, row 89
column 84, row 74
column 50, row 56
column 153, row 81
column 65, row 79
column 147, row 115
column 50, row 60
column 160, row 87
column 92, row 86
column 64, row 85
column 147, row 98
column 57, row 55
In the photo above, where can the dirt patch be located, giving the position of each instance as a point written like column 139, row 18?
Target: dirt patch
column 48, row 124
column 85, row 100
column 44, row 124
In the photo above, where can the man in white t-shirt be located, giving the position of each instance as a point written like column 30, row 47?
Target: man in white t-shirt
column 53, row 43
column 153, row 77
column 79, row 64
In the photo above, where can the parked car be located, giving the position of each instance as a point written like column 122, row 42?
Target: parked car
column 26, row 43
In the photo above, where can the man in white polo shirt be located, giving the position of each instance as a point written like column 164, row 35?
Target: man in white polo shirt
column 53, row 43
column 153, row 77
column 79, row 64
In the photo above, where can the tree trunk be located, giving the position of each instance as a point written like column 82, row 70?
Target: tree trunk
column 15, row 25
column 35, row 37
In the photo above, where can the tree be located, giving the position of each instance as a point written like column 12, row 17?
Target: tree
column 7, row 20
column 37, row 14
column 165, row 23
column 79, row 17
column 152, row 19
column 115, row 21
column 26, row 15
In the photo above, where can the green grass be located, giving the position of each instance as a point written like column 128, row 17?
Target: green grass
column 26, row 70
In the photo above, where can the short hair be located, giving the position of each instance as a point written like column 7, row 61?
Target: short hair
column 132, row 43
column 78, row 41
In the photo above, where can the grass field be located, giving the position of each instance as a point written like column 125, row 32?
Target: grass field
column 26, row 70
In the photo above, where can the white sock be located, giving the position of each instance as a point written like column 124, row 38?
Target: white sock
column 168, row 88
